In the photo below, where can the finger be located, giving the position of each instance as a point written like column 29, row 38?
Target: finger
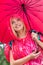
column 37, row 54
column 34, row 51
column 34, row 34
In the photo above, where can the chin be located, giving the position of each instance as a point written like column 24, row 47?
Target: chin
column 18, row 30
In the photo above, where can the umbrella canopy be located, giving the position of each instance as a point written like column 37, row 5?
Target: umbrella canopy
column 31, row 11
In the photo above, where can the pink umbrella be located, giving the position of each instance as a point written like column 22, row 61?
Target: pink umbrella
column 31, row 11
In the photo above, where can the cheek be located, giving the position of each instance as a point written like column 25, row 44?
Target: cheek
column 22, row 25
column 13, row 25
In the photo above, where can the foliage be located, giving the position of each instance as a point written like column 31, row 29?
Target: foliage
column 3, row 60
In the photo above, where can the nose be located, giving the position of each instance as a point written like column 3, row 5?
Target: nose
column 16, row 24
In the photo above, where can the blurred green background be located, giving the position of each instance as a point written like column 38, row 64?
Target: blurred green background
column 3, row 60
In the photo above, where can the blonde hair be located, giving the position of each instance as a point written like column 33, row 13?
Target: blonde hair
column 14, row 32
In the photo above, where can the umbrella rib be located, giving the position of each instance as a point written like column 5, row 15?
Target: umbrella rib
column 11, row 9
column 23, row 15
column 20, row 10
column 16, row 1
column 26, row 1
column 36, row 6
column 34, row 3
column 35, row 10
column 35, row 16
column 40, row 20
column 20, row 1
column 28, row 20
column 10, row 14
column 29, row 2
column 4, row 35
column 8, row 4
column 8, row 9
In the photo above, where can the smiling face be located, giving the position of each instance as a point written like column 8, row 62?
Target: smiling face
column 17, row 24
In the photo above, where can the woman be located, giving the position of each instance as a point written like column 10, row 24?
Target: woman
column 23, row 46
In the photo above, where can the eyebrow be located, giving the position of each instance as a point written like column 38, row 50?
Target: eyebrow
column 18, row 19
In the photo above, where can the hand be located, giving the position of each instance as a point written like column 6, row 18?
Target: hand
column 34, row 36
column 34, row 55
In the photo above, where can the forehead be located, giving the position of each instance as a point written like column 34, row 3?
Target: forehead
column 14, row 18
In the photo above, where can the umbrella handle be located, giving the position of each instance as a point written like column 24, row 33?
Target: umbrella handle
column 37, row 33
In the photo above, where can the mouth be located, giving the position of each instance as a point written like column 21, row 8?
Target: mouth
column 16, row 26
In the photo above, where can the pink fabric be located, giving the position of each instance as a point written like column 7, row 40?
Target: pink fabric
column 22, row 48
column 35, row 15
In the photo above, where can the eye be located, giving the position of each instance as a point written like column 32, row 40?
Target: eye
column 13, row 22
column 19, row 25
